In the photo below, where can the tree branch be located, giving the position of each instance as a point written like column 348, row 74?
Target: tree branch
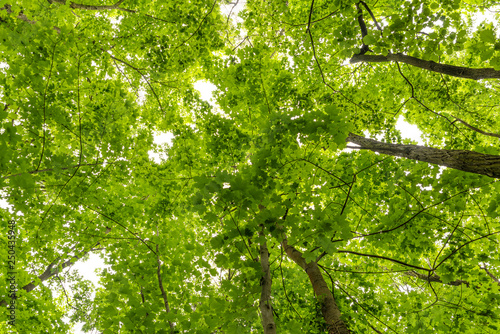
column 163, row 293
column 52, row 169
column 371, row 14
column 456, row 71
column 21, row 15
column 92, row 7
column 383, row 258
column 143, row 76
column 364, row 30
column 54, row 269
column 468, row 161
column 491, row 134
column 493, row 277
column 434, row 278
column 124, row 227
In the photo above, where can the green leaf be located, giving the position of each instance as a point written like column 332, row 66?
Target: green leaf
column 495, row 62
column 369, row 40
column 487, row 36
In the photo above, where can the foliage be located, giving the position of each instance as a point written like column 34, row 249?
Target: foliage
column 405, row 246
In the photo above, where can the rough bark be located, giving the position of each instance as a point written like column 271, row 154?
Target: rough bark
column 468, row 161
column 266, row 309
column 329, row 308
column 456, row 71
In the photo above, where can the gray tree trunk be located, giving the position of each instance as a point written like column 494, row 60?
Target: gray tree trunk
column 266, row 309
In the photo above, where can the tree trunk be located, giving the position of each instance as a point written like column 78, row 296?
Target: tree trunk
column 329, row 308
column 468, row 161
column 456, row 71
column 266, row 309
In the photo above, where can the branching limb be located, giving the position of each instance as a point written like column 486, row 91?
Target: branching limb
column 124, row 227
column 143, row 76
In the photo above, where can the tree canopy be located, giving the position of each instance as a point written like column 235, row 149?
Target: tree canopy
column 292, row 204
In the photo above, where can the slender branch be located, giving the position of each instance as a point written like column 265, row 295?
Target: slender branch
column 308, row 23
column 52, row 169
column 241, row 235
column 348, row 194
column 422, row 104
column 80, row 153
column 124, row 227
column 364, row 31
column 283, row 283
column 143, row 76
column 355, row 301
column 411, row 195
column 44, row 124
column 433, row 278
column 126, row 77
column 446, row 242
column 197, row 29
column 310, row 15
column 324, row 170
column 231, row 12
column 462, row 246
column 371, row 14
column 384, row 258
column 53, row 269
column 493, row 277
column 321, row 71
column 160, row 284
column 491, row 134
